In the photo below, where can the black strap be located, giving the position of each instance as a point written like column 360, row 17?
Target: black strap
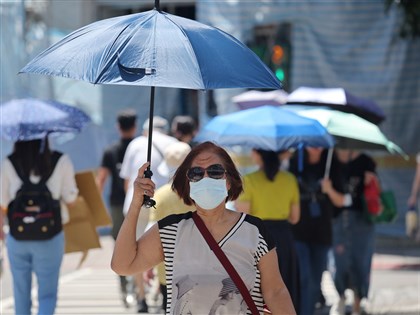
column 55, row 156
column 240, row 285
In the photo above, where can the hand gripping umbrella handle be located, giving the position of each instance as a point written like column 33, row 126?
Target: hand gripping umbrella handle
column 147, row 201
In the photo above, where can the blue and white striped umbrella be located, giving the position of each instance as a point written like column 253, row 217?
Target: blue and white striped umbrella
column 267, row 128
column 29, row 118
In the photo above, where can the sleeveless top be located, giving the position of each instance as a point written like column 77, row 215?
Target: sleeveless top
column 197, row 283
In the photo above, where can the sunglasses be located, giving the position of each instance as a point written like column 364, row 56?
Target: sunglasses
column 215, row 171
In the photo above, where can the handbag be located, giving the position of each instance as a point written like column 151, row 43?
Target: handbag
column 389, row 209
column 240, row 285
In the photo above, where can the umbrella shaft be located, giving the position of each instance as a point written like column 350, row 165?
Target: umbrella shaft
column 151, row 114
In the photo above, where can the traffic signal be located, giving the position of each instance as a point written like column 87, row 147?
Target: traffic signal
column 277, row 60
column 272, row 44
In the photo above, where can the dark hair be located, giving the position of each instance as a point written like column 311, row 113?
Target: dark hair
column 127, row 119
column 33, row 156
column 181, row 184
column 185, row 125
column 271, row 163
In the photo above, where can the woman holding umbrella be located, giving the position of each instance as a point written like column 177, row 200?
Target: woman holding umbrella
column 41, row 257
column 207, row 179
column 273, row 196
column 353, row 234
column 313, row 233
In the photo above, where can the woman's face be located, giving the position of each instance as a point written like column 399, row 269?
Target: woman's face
column 314, row 153
column 256, row 158
column 343, row 155
column 205, row 159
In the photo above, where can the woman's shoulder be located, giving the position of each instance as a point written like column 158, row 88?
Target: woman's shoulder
column 63, row 159
column 255, row 221
column 174, row 219
column 6, row 163
column 287, row 175
column 262, row 230
column 7, row 167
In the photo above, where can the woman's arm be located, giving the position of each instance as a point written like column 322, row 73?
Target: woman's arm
column 338, row 199
column 415, row 188
column 101, row 177
column 274, row 291
column 131, row 256
column 294, row 215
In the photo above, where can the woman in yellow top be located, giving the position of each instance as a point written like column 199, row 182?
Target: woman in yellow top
column 273, row 196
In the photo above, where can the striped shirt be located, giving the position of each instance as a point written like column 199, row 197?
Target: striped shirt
column 197, row 283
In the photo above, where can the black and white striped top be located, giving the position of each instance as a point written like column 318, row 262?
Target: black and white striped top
column 197, row 283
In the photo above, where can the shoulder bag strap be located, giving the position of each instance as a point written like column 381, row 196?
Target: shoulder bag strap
column 226, row 263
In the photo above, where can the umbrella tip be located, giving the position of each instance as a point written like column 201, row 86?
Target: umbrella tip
column 157, row 5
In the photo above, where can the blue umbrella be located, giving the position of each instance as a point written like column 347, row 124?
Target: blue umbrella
column 30, row 118
column 266, row 127
column 153, row 49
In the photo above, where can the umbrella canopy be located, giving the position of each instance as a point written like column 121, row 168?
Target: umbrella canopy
column 157, row 49
column 154, row 49
column 339, row 99
column 267, row 128
column 30, row 118
column 256, row 98
column 349, row 130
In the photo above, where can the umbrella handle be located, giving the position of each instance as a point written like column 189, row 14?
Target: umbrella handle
column 328, row 164
column 147, row 201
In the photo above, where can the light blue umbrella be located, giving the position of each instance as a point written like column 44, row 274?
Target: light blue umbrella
column 30, row 118
column 267, row 128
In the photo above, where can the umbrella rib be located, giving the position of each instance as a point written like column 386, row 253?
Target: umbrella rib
column 116, row 54
column 188, row 41
column 113, row 57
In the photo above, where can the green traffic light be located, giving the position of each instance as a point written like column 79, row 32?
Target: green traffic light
column 280, row 74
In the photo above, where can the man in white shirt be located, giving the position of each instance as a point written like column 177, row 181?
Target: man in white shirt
column 135, row 156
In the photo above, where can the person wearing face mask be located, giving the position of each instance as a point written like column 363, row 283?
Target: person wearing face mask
column 206, row 179
column 273, row 196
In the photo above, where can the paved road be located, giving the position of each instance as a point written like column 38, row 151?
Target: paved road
column 93, row 288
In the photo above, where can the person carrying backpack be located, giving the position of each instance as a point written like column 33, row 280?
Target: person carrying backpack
column 35, row 242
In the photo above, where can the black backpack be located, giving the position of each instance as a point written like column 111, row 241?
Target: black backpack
column 34, row 214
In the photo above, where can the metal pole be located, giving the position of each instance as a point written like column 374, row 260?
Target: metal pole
column 328, row 165
column 147, row 201
column 151, row 114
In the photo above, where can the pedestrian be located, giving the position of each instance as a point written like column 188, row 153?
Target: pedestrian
column 135, row 155
column 41, row 257
column 110, row 168
column 1, row 239
column 415, row 187
column 353, row 234
column 207, row 178
column 273, row 196
column 184, row 128
column 313, row 232
column 167, row 201
column 412, row 216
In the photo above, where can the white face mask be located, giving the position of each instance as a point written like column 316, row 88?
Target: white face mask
column 208, row 193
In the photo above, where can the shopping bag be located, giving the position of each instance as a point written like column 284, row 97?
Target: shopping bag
column 389, row 209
